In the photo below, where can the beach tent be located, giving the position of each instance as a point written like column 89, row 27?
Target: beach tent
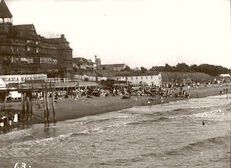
column 2, row 84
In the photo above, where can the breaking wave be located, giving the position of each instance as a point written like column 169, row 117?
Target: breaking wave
column 215, row 142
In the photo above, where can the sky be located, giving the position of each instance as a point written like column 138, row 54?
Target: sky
column 135, row 32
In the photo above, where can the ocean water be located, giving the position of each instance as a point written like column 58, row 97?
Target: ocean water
column 160, row 136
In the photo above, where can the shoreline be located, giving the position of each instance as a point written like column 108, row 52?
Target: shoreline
column 67, row 109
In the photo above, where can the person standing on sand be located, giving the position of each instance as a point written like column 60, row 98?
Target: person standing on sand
column 162, row 99
column 220, row 92
column 114, row 92
column 149, row 103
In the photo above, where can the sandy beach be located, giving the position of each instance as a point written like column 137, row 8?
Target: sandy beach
column 71, row 109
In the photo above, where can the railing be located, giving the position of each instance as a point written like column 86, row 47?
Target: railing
column 60, row 80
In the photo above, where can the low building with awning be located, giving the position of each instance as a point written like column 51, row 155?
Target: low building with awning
column 88, row 84
column 2, row 84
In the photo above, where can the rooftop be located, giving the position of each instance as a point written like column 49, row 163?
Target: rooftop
column 114, row 65
column 4, row 11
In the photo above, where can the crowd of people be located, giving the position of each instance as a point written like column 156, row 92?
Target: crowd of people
column 121, row 90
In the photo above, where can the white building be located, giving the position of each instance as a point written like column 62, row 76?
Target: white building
column 2, row 84
column 150, row 79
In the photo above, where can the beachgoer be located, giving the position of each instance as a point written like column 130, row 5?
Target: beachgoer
column 149, row 103
column 203, row 123
column 220, row 92
column 187, row 95
column 162, row 99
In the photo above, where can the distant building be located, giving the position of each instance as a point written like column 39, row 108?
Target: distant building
column 97, row 63
column 23, row 51
column 152, row 79
column 113, row 67
column 82, row 63
column 2, row 84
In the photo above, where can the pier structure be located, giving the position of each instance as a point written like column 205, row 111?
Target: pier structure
column 29, row 91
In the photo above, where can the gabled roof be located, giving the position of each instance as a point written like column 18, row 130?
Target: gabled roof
column 4, row 11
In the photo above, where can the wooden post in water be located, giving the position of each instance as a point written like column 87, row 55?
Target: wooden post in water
column 31, row 105
column 53, row 108
column 27, row 112
column 21, row 113
column 28, row 105
column 23, row 106
column 47, row 107
column 44, row 106
column 53, row 104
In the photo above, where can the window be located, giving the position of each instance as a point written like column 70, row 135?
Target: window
column 48, row 60
column 30, row 60
column 55, row 61
column 27, row 60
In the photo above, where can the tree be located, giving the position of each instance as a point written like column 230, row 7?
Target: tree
column 168, row 68
column 193, row 68
column 143, row 69
column 182, row 67
column 127, row 68
column 213, row 70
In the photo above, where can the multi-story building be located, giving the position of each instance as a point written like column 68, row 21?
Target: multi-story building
column 23, row 51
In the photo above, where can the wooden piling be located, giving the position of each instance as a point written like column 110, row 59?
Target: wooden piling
column 47, row 107
column 31, row 106
column 27, row 112
column 53, row 108
column 44, row 107
column 23, row 106
column 28, row 105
